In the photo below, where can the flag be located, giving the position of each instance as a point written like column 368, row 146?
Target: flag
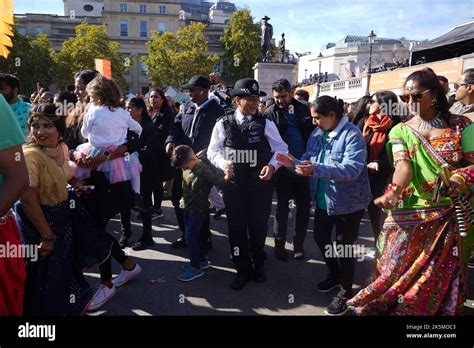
column 6, row 32
column 104, row 67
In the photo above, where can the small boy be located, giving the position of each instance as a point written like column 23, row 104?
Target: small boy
column 198, row 179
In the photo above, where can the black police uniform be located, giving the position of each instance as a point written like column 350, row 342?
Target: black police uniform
column 248, row 199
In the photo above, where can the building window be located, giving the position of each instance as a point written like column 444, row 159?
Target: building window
column 162, row 27
column 22, row 31
column 123, row 8
column 39, row 30
column 143, row 69
column 162, row 9
column 123, row 28
column 88, row 8
column 142, row 8
column 143, row 29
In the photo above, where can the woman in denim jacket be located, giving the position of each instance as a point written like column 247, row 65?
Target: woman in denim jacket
column 335, row 159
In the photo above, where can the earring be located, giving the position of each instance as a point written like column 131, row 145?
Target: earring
column 434, row 103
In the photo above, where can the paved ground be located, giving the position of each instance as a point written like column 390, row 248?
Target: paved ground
column 289, row 289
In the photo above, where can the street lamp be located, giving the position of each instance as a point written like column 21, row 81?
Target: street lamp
column 371, row 38
column 319, row 74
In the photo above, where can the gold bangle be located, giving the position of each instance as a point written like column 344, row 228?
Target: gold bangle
column 459, row 177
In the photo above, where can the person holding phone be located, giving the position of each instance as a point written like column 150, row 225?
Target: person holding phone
column 335, row 159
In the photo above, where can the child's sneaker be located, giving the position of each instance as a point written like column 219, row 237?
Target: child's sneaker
column 205, row 264
column 190, row 273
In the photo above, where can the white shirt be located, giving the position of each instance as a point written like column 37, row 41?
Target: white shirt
column 215, row 151
column 106, row 128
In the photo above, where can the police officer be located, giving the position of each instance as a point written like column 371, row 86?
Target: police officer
column 243, row 144
column 293, row 121
column 193, row 127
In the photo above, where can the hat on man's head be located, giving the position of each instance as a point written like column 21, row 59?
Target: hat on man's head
column 247, row 88
column 198, row 81
column 266, row 18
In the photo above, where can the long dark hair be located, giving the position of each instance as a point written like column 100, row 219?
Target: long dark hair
column 86, row 76
column 139, row 103
column 429, row 80
column 360, row 111
column 165, row 107
column 50, row 112
column 325, row 104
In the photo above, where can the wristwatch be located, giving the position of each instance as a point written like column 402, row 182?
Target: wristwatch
column 107, row 154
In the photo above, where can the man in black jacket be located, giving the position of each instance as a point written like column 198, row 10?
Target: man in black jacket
column 293, row 121
column 193, row 127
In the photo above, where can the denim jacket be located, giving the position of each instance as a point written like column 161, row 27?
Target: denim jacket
column 344, row 168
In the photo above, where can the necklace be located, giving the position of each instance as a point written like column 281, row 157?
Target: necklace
column 53, row 152
column 426, row 126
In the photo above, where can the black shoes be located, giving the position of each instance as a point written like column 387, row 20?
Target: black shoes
column 338, row 306
column 298, row 254
column 329, row 284
column 138, row 204
column 239, row 282
column 178, row 244
column 259, row 275
column 123, row 242
column 219, row 213
column 280, row 252
column 143, row 244
column 156, row 213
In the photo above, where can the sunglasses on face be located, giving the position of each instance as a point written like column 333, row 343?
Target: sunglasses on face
column 458, row 85
column 414, row 96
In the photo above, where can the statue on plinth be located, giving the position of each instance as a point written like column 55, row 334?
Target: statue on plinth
column 282, row 49
column 267, row 36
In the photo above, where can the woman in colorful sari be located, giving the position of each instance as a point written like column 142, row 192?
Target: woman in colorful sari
column 48, row 216
column 421, row 270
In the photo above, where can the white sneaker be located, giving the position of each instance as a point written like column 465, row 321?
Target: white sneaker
column 101, row 296
column 125, row 276
column 370, row 255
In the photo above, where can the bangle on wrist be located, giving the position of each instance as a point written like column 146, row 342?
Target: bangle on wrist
column 51, row 238
column 460, row 177
column 393, row 187
column 466, row 174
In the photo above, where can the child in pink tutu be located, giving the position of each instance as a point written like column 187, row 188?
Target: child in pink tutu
column 105, row 126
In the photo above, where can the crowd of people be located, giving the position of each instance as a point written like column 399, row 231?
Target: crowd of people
column 408, row 160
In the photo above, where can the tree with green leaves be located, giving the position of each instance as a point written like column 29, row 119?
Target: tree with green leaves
column 79, row 53
column 241, row 42
column 173, row 58
column 30, row 60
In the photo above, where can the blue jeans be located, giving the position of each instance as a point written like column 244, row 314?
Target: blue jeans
column 194, row 223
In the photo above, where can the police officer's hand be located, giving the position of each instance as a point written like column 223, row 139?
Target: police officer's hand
column 169, row 149
column 267, row 172
column 229, row 169
column 285, row 159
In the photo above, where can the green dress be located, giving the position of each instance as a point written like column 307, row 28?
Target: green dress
column 420, row 269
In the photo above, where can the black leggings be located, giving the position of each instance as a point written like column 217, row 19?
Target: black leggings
column 105, row 202
column 347, row 229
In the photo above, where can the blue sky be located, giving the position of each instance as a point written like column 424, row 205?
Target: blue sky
column 310, row 24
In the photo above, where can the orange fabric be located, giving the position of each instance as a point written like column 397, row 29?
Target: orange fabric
column 379, row 127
